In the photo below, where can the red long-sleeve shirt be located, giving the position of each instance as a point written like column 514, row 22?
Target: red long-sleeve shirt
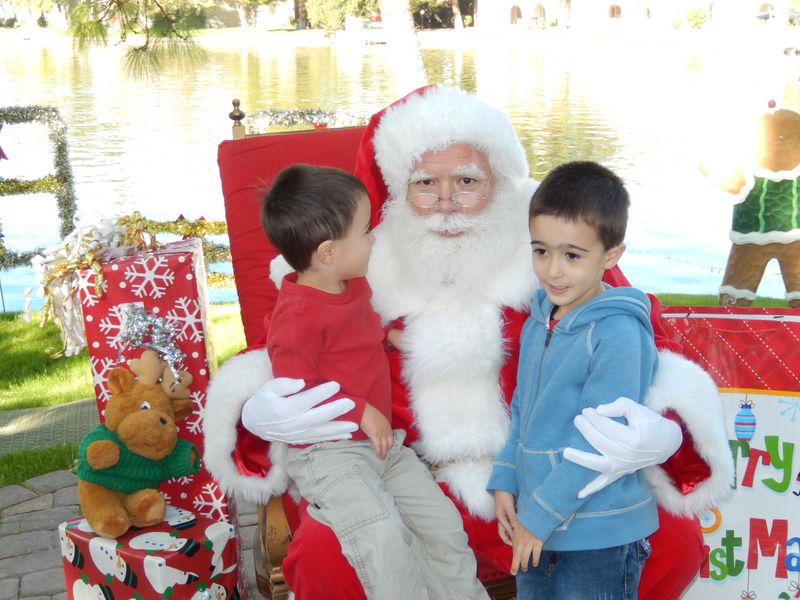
column 318, row 336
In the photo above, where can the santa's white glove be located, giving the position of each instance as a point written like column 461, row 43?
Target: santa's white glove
column 647, row 439
column 277, row 413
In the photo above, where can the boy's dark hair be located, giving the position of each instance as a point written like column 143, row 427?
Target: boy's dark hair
column 585, row 191
column 306, row 206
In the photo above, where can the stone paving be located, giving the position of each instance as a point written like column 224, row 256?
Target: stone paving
column 30, row 555
column 44, row 427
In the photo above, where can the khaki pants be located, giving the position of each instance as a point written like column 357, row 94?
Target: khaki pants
column 398, row 530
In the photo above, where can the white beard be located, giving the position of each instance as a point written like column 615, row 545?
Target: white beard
column 452, row 291
column 461, row 265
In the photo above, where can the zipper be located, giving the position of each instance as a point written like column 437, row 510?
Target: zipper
column 523, row 431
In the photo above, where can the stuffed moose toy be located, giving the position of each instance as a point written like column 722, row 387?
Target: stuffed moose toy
column 122, row 461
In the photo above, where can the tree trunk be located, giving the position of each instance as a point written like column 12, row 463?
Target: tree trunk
column 403, row 46
column 300, row 14
column 458, row 22
column 241, row 10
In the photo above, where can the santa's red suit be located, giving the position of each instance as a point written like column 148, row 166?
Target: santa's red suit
column 461, row 302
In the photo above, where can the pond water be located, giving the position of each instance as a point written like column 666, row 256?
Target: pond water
column 649, row 105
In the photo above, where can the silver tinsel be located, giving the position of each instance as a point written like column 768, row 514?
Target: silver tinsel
column 141, row 329
column 263, row 120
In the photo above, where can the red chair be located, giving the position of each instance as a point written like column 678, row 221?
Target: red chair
column 247, row 166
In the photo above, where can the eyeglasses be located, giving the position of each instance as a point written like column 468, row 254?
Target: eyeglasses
column 460, row 199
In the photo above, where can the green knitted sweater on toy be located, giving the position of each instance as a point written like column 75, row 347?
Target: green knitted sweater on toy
column 133, row 472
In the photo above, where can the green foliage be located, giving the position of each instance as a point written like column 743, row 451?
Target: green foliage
column 146, row 61
column 330, row 14
column 160, row 30
column 22, row 465
column 435, row 14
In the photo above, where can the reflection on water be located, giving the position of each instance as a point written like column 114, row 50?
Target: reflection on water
column 641, row 108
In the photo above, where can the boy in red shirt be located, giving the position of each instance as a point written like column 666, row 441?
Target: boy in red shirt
column 398, row 530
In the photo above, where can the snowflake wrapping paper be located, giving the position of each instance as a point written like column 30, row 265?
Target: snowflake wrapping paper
column 168, row 282
column 752, row 540
column 187, row 556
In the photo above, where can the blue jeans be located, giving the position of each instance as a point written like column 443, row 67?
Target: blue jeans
column 604, row 574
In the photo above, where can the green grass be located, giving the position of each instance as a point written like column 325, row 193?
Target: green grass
column 709, row 300
column 31, row 378
column 25, row 464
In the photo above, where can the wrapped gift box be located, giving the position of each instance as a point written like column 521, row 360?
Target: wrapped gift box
column 168, row 282
column 187, row 556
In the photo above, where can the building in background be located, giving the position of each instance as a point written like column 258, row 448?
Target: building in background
column 502, row 14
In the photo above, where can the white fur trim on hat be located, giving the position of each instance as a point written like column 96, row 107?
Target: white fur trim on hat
column 684, row 387
column 235, row 382
column 437, row 118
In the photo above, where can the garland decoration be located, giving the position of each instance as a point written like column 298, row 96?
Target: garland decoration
column 220, row 280
column 137, row 224
column 10, row 258
column 261, row 121
column 215, row 253
column 65, row 191
column 141, row 233
column 47, row 184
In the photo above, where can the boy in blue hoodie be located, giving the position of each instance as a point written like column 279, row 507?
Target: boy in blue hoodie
column 583, row 343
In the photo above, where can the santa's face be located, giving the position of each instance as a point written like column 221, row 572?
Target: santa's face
column 450, row 244
column 448, row 186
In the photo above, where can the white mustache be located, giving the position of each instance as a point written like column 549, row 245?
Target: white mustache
column 452, row 223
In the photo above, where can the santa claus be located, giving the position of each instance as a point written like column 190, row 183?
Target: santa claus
column 458, row 280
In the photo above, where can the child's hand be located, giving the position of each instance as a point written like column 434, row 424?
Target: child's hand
column 527, row 549
column 506, row 515
column 395, row 338
column 378, row 430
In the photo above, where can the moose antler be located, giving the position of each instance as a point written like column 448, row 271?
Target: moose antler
column 150, row 369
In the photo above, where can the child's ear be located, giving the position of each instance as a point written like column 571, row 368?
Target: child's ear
column 325, row 252
column 613, row 255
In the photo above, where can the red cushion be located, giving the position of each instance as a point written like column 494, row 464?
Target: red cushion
column 247, row 168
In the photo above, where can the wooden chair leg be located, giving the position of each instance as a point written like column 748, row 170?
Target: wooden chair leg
column 501, row 589
column 272, row 538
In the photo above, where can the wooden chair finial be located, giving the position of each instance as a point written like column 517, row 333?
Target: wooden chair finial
column 237, row 115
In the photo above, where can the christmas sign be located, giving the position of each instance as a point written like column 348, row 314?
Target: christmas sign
column 752, row 540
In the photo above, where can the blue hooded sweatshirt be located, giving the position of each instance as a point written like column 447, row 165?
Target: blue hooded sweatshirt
column 599, row 351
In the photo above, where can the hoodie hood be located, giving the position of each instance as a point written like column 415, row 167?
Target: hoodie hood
column 613, row 301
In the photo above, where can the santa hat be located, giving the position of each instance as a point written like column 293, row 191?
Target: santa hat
column 433, row 118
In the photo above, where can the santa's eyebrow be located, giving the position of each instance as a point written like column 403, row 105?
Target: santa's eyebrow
column 471, row 170
column 418, row 176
